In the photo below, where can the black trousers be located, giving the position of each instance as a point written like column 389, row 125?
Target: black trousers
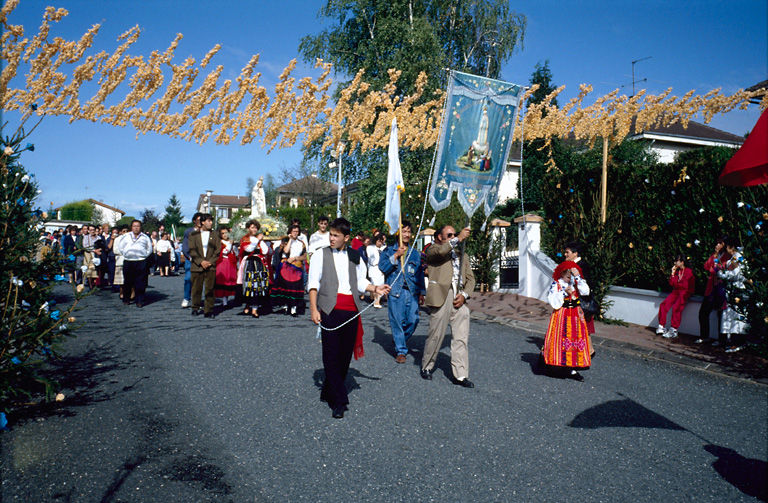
column 338, row 346
column 202, row 286
column 135, row 276
column 712, row 302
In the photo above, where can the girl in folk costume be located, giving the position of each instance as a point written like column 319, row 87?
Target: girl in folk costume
column 566, row 345
column 226, row 268
column 254, row 272
column 683, row 283
column 734, row 325
column 289, row 272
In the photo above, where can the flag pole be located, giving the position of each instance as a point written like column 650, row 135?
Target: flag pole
column 400, row 230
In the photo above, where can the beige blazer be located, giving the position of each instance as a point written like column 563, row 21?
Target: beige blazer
column 440, row 272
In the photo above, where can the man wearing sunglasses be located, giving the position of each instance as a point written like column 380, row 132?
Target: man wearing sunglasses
column 451, row 281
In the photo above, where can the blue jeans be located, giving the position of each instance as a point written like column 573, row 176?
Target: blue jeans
column 403, row 319
column 187, row 280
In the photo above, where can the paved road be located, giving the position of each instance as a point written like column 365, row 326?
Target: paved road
column 162, row 406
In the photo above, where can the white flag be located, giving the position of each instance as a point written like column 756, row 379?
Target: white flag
column 395, row 185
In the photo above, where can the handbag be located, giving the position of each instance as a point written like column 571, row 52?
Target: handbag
column 590, row 306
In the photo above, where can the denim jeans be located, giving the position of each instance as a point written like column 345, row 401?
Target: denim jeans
column 187, row 280
column 403, row 319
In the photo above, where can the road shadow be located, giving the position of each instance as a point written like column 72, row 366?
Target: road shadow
column 536, row 363
column 383, row 338
column 350, row 382
column 748, row 475
column 624, row 413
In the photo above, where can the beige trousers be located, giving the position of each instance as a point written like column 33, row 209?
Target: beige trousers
column 438, row 323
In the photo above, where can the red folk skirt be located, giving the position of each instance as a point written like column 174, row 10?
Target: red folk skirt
column 567, row 341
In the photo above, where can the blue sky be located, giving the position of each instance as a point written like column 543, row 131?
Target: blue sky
column 693, row 45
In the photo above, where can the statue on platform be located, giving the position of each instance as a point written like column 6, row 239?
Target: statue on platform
column 258, row 200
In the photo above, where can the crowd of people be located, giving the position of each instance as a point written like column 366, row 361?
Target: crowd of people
column 262, row 276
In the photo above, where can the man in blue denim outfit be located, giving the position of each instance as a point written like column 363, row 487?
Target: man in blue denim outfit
column 188, row 260
column 407, row 290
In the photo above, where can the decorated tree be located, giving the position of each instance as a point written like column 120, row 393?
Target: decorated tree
column 31, row 322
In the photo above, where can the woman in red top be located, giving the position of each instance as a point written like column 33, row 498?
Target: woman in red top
column 682, row 282
column 714, row 293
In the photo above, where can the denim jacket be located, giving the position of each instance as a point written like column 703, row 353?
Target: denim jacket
column 413, row 276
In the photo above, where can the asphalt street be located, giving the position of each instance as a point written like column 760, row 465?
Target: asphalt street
column 164, row 406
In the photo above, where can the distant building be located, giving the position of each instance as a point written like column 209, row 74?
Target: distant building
column 106, row 214
column 222, row 207
column 666, row 142
column 306, row 191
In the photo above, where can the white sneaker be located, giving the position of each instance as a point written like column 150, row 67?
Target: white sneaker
column 733, row 349
column 660, row 330
column 184, row 303
column 670, row 334
column 293, row 310
column 224, row 301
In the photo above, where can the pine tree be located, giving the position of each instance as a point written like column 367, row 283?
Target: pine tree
column 30, row 321
column 173, row 216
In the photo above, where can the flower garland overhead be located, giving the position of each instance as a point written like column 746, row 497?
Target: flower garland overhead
column 156, row 94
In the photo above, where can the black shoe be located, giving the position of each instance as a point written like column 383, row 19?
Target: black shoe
column 576, row 376
column 210, row 315
column 426, row 374
column 196, row 312
column 338, row 412
column 465, row 383
column 139, row 304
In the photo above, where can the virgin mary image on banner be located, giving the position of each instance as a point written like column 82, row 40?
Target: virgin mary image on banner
column 475, row 140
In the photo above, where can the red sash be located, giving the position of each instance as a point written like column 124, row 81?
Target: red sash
column 347, row 303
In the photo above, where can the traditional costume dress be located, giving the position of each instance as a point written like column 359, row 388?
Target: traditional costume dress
column 288, row 289
column 253, row 273
column 566, row 343
column 226, row 271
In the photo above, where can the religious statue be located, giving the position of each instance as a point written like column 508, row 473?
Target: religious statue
column 258, row 200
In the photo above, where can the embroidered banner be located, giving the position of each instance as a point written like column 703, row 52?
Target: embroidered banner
column 475, row 140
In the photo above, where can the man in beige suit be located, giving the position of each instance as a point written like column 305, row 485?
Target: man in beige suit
column 204, row 248
column 447, row 294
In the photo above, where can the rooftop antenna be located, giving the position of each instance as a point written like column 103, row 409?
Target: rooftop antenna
column 633, row 72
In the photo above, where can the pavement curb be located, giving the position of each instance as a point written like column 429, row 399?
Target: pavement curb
column 633, row 349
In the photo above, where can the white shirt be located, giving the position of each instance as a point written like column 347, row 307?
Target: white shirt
column 134, row 247
column 318, row 240
column 341, row 262
column 557, row 293
column 256, row 242
column 297, row 247
column 163, row 246
column 205, row 236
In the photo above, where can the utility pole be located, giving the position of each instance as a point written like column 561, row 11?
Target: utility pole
column 633, row 72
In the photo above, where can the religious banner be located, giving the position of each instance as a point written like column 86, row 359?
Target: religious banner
column 475, row 140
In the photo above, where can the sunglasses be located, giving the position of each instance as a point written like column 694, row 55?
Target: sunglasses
column 450, row 234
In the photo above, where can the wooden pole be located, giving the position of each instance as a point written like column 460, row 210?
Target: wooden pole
column 604, row 183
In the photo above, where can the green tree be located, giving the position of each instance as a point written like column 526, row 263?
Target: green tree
column 31, row 322
column 149, row 220
column 249, row 183
column 411, row 37
column 81, row 211
column 173, row 216
column 535, row 154
column 126, row 220
column 270, row 192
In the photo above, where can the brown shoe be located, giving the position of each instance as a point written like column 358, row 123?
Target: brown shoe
column 400, row 358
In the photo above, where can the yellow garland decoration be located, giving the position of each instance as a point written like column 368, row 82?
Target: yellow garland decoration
column 298, row 107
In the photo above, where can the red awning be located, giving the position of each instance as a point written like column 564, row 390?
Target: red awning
column 749, row 165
